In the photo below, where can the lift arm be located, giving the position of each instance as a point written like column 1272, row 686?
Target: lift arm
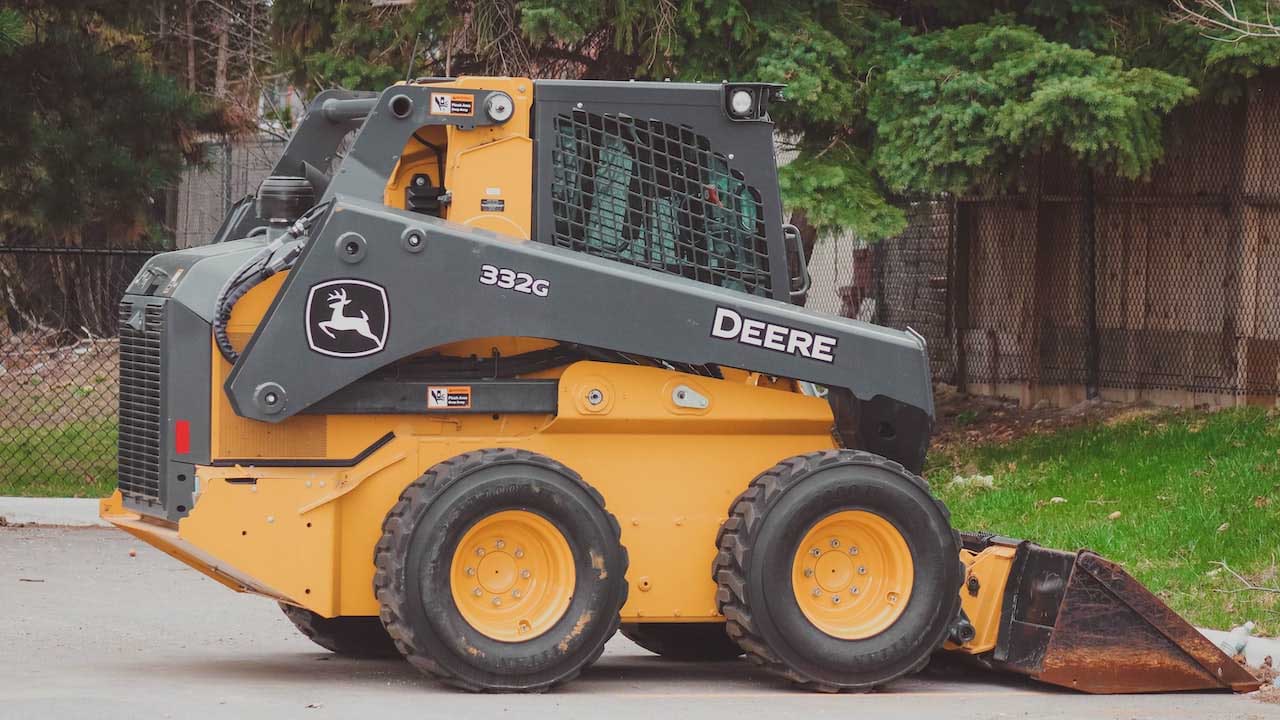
column 443, row 282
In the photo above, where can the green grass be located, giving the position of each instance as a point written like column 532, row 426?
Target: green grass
column 1192, row 489
column 76, row 459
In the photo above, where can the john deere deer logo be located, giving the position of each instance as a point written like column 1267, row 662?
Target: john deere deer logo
column 347, row 318
column 338, row 302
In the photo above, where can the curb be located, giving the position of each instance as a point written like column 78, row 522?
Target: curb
column 66, row 512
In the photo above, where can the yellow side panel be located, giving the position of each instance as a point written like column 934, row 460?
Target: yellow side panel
column 474, row 177
column 667, row 473
column 491, row 163
column 256, row 531
column 231, row 436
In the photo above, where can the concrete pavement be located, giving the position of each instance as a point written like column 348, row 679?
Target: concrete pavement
column 93, row 633
column 50, row 511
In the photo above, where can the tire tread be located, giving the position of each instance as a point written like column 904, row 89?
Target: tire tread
column 734, row 540
column 397, row 530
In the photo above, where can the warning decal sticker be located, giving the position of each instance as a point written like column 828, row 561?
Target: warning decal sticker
column 448, row 104
column 456, row 397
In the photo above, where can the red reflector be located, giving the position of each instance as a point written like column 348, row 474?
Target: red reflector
column 181, row 437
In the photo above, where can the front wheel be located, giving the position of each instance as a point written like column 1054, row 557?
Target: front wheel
column 501, row 570
column 838, row 570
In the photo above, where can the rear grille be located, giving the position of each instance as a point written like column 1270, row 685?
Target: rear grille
column 656, row 195
column 139, row 439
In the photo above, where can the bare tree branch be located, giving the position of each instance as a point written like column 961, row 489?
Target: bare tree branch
column 1224, row 21
column 1248, row 586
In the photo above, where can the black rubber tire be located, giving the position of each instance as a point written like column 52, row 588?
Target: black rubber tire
column 757, row 548
column 357, row 637
column 415, row 553
column 688, row 642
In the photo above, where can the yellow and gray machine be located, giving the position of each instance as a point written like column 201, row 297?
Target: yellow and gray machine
column 491, row 367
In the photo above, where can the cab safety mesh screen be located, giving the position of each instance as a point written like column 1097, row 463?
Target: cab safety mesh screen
column 655, row 195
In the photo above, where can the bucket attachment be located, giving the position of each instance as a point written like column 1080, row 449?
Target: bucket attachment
column 1080, row 621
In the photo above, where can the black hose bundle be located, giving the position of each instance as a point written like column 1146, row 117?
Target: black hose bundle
column 280, row 254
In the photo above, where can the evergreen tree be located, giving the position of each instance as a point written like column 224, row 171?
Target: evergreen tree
column 90, row 129
column 92, row 132
column 883, row 97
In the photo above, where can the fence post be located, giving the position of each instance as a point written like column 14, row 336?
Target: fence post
column 958, row 291
column 877, row 281
column 1090, row 287
column 226, row 174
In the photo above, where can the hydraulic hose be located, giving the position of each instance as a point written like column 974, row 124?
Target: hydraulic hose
column 280, row 254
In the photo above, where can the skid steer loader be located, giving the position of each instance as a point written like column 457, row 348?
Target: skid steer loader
column 490, row 368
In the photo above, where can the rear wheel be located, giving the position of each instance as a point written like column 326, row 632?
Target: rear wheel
column 693, row 642
column 501, row 570
column 361, row 637
column 869, row 562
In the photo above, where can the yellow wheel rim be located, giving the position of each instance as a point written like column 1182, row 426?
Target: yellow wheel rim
column 852, row 574
column 512, row 575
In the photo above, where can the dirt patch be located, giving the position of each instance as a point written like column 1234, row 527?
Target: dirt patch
column 47, row 379
column 969, row 419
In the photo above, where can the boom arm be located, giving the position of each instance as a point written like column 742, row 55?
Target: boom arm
column 449, row 286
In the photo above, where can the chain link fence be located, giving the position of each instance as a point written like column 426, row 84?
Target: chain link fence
column 58, row 351
column 232, row 170
column 1166, row 288
column 899, row 282
column 58, row 359
column 1080, row 284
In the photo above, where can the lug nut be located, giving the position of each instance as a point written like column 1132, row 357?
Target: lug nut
column 808, row 572
column 479, row 552
column 524, row 574
column 835, row 543
column 497, row 601
column 471, row 571
column 835, row 599
column 815, row 552
column 477, row 592
column 862, row 569
column 500, row 544
column 519, row 553
column 853, row 590
column 515, row 594
column 853, row 549
column 817, row 592
column 893, row 597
